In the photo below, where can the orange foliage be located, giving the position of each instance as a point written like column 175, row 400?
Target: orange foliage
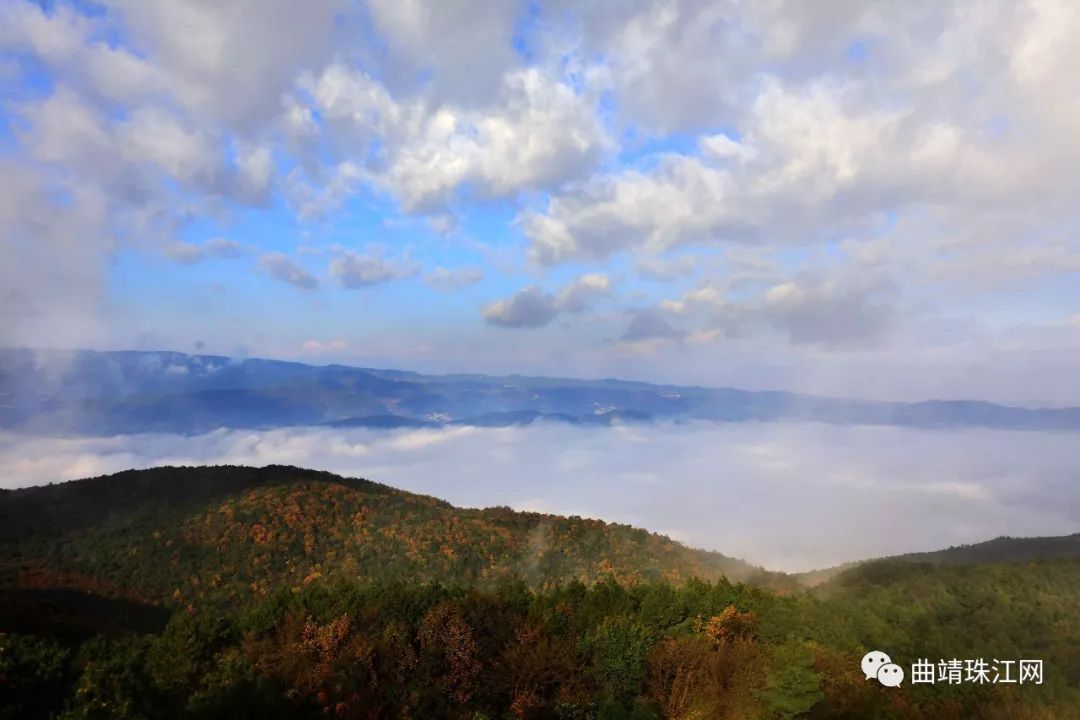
column 444, row 631
column 731, row 626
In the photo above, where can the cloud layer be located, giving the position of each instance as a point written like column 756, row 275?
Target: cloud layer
column 789, row 496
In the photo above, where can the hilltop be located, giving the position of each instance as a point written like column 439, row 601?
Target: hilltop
column 999, row 550
column 176, row 534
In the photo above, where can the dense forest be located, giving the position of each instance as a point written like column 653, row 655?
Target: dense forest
column 231, row 534
column 234, row 592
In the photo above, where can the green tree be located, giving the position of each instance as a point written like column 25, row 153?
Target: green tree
column 793, row 686
column 32, row 675
column 620, row 651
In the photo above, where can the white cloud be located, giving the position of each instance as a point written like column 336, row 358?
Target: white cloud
column 682, row 201
column 255, row 173
column 649, row 324
column 722, row 147
column 708, row 295
column 531, row 307
column 281, row 267
column 190, row 253
column 157, row 137
column 53, row 260
column 426, row 38
column 959, row 118
column 846, row 309
column 54, row 37
column 853, row 310
column 539, row 133
column 579, row 295
column 355, row 270
column 675, row 65
column 231, row 62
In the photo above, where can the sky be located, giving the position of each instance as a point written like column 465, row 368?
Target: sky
column 871, row 199
column 788, row 496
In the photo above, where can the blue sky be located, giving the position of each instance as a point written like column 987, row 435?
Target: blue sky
column 871, row 199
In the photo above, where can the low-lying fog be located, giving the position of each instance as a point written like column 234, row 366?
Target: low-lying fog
column 788, row 496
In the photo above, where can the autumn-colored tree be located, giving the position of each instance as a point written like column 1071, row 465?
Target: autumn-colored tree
column 695, row 677
column 328, row 664
column 678, row 672
column 731, row 626
column 445, row 635
column 531, row 669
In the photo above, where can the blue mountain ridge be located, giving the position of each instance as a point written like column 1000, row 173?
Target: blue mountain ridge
column 105, row 393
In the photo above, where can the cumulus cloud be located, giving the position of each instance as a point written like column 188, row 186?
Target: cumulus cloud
column 650, row 324
column 539, row 133
column 355, row 270
column 233, row 62
column 676, row 66
column 579, row 295
column 828, row 150
column 831, row 312
column 423, row 38
column 281, row 267
column 791, row 496
column 531, row 307
column 841, row 310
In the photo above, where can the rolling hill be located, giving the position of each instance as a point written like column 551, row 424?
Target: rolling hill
column 999, row 550
column 214, row 592
column 234, row 533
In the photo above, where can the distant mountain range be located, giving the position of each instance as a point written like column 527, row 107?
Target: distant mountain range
column 90, row 392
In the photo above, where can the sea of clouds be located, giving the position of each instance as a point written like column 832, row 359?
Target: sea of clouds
column 789, row 496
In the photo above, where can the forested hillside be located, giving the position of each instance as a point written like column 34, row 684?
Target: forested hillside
column 241, row 593
column 998, row 550
column 232, row 534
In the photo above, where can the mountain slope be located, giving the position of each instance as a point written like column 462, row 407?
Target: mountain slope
column 243, row 592
column 999, row 550
column 234, row 533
